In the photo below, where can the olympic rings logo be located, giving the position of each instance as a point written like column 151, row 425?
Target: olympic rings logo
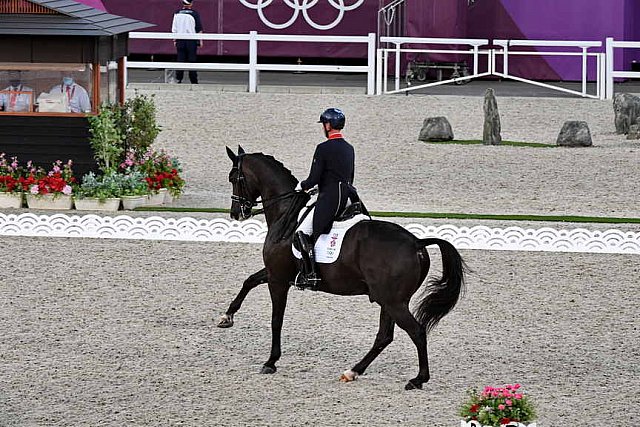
column 302, row 6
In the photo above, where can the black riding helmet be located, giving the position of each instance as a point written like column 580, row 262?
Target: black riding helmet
column 333, row 116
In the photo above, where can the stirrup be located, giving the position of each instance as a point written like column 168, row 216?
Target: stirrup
column 303, row 281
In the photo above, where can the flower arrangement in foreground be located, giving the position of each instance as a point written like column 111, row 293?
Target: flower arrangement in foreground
column 160, row 170
column 58, row 180
column 496, row 406
column 12, row 179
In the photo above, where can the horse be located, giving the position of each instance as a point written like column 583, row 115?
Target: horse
column 379, row 259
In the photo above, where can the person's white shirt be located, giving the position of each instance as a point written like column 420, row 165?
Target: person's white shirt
column 13, row 101
column 77, row 97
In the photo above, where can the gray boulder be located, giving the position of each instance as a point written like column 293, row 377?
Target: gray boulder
column 575, row 134
column 436, row 129
column 627, row 109
column 491, row 131
column 634, row 132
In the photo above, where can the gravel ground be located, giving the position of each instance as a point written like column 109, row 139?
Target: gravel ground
column 396, row 172
column 110, row 332
column 106, row 338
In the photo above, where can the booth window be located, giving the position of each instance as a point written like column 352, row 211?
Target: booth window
column 47, row 88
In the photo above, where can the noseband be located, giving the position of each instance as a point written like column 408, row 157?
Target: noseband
column 244, row 200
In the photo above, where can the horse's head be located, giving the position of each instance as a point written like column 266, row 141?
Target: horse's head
column 244, row 194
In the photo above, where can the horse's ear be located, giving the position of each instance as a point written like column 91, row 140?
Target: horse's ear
column 232, row 156
column 240, row 150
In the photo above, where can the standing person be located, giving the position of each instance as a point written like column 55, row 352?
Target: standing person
column 187, row 21
column 77, row 97
column 332, row 171
column 14, row 97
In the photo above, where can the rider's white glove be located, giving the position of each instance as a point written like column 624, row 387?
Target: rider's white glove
column 298, row 187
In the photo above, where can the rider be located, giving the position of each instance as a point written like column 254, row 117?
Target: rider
column 332, row 171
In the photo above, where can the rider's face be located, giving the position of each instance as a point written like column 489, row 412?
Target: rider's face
column 326, row 127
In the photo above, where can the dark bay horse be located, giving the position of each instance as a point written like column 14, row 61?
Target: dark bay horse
column 379, row 259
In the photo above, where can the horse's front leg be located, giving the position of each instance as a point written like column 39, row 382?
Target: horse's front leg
column 226, row 320
column 279, row 292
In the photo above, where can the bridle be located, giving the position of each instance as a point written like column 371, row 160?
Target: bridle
column 245, row 201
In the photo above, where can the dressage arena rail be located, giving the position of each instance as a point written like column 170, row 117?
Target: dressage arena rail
column 544, row 239
column 378, row 59
column 253, row 66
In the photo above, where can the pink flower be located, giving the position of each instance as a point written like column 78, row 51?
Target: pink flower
column 518, row 396
column 56, row 169
column 34, row 189
column 508, row 402
column 501, row 407
column 67, row 190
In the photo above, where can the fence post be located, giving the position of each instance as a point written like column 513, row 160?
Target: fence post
column 371, row 63
column 397, row 67
column 253, row 61
column 379, row 72
column 609, row 61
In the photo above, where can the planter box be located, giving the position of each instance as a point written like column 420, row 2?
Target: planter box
column 50, row 201
column 477, row 424
column 132, row 202
column 92, row 204
column 156, row 199
column 10, row 200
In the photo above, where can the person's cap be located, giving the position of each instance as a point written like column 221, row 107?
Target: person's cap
column 187, row 2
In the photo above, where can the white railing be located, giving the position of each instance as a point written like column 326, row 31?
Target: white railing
column 382, row 60
column 584, row 46
column 253, row 66
column 612, row 73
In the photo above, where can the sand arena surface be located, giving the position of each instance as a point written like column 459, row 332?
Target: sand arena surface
column 395, row 171
column 121, row 333
column 109, row 332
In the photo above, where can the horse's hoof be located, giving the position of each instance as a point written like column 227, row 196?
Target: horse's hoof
column 268, row 370
column 413, row 386
column 226, row 321
column 348, row 376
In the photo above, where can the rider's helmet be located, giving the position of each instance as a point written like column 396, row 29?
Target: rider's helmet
column 333, row 116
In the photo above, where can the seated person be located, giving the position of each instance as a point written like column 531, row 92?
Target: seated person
column 77, row 96
column 12, row 98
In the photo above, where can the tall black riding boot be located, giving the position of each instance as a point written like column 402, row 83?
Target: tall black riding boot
column 308, row 277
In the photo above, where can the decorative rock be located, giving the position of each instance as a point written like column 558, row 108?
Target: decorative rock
column 634, row 132
column 627, row 109
column 436, row 129
column 491, row 132
column 575, row 134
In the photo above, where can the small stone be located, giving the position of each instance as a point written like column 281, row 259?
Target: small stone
column 491, row 131
column 634, row 132
column 575, row 134
column 436, row 129
column 627, row 109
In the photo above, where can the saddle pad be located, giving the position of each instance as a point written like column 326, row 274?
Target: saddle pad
column 327, row 248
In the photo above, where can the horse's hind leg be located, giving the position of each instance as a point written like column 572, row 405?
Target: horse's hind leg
column 383, row 339
column 418, row 335
column 226, row 320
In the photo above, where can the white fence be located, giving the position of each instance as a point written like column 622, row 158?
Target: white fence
column 382, row 64
column 377, row 67
column 583, row 53
column 252, row 66
column 612, row 73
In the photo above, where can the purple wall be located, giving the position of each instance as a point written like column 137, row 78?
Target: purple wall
column 93, row 3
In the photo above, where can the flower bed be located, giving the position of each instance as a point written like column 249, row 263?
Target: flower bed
column 497, row 406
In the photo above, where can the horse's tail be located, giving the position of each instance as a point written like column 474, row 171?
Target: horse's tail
column 442, row 294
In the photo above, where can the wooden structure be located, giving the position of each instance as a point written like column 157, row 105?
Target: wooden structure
column 46, row 39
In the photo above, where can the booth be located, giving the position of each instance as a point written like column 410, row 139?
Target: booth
column 59, row 61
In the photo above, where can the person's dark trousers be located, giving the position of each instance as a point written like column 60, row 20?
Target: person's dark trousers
column 187, row 52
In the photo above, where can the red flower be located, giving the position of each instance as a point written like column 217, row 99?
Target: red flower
column 474, row 408
column 505, row 420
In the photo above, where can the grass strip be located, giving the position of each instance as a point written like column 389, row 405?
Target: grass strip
column 479, row 142
column 439, row 215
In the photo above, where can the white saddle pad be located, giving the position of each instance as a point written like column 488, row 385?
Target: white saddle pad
column 327, row 248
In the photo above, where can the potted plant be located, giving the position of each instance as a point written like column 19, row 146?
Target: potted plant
column 99, row 193
column 11, row 183
column 52, row 189
column 498, row 407
column 106, row 139
column 134, row 189
column 162, row 175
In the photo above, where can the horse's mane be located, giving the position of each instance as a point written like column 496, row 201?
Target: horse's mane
column 284, row 227
column 277, row 164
